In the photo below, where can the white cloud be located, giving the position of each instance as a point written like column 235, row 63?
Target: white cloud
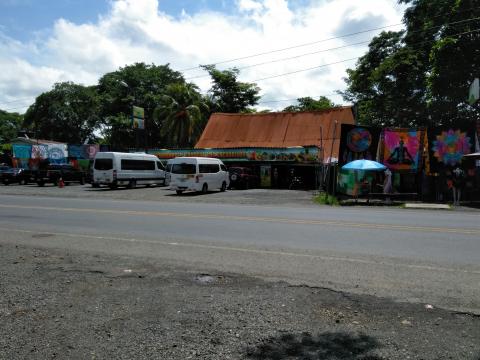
column 138, row 30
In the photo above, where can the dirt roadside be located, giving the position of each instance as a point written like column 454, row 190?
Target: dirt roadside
column 163, row 194
column 57, row 304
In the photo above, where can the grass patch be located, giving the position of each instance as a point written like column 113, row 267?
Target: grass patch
column 326, row 199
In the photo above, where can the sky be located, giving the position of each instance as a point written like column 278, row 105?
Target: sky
column 289, row 48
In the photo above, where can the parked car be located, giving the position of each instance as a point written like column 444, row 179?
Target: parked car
column 53, row 173
column 3, row 168
column 17, row 175
column 127, row 169
column 168, row 172
column 198, row 174
column 243, row 178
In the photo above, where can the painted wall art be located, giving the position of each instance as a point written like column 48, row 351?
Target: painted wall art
column 450, row 146
column 402, row 149
column 357, row 142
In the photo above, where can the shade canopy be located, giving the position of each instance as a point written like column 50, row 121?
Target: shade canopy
column 473, row 155
column 364, row 165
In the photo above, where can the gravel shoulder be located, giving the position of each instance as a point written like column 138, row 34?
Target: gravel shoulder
column 79, row 305
column 163, row 194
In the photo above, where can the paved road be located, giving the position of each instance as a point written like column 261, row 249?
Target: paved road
column 420, row 256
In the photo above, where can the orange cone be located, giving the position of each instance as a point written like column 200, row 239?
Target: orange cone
column 61, row 184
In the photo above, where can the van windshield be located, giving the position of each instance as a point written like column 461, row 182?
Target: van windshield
column 184, row 169
column 103, row 164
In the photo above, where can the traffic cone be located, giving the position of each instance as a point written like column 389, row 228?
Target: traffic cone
column 61, row 184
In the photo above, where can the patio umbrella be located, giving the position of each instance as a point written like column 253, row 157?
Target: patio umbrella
column 364, row 165
column 473, row 155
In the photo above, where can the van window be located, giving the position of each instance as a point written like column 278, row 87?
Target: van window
column 184, row 169
column 208, row 168
column 223, row 167
column 169, row 168
column 103, row 164
column 160, row 166
column 127, row 164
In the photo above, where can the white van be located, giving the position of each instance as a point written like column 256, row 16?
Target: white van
column 168, row 172
column 198, row 174
column 127, row 169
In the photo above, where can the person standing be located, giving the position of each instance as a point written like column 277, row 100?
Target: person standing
column 458, row 181
column 387, row 184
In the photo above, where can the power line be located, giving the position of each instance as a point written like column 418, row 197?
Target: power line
column 17, row 100
column 334, row 38
column 294, row 47
column 330, row 49
column 307, row 69
column 17, row 108
column 346, row 60
column 285, row 100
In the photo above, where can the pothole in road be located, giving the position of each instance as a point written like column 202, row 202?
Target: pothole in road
column 40, row 236
column 207, row 279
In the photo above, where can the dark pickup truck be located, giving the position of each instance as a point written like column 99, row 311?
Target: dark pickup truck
column 16, row 175
column 53, row 174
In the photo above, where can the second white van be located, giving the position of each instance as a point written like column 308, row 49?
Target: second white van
column 198, row 174
column 127, row 169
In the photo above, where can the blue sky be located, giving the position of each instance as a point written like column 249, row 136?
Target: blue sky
column 24, row 19
column 43, row 42
column 21, row 19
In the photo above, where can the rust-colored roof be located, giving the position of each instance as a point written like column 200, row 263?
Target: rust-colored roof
column 280, row 130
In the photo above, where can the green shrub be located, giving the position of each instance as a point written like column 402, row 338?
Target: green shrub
column 326, row 199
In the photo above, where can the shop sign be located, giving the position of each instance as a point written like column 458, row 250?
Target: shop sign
column 296, row 154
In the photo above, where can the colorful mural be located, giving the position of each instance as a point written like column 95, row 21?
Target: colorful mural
column 30, row 156
column 402, row 149
column 450, row 146
column 297, row 154
column 82, row 152
column 357, row 143
column 57, row 153
column 354, row 182
column 39, row 152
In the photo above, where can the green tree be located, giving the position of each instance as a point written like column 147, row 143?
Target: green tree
column 420, row 76
column 138, row 84
column 229, row 95
column 10, row 125
column 68, row 113
column 310, row 104
column 181, row 112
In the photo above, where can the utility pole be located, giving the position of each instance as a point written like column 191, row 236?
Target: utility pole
column 330, row 158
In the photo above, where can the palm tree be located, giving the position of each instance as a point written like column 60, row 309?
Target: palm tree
column 179, row 114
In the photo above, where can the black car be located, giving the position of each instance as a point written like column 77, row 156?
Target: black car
column 243, row 178
column 53, row 174
column 16, row 175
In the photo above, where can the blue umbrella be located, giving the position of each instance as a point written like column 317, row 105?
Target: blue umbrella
column 364, row 165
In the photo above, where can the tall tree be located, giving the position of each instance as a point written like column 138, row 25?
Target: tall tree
column 228, row 94
column 310, row 104
column 420, row 76
column 10, row 125
column 69, row 113
column 138, row 84
column 180, row 113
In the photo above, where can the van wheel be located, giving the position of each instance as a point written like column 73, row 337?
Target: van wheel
column 82, row 181
column 204, row 188
column 95, row 185
column 40, row 183
column 132, row 184
column 113, row 186
column 224, row 187
column 179, row 192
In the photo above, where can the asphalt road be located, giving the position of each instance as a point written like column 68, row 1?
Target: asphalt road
column 422, row 256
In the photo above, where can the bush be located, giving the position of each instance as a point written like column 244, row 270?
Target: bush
column 326, row 199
